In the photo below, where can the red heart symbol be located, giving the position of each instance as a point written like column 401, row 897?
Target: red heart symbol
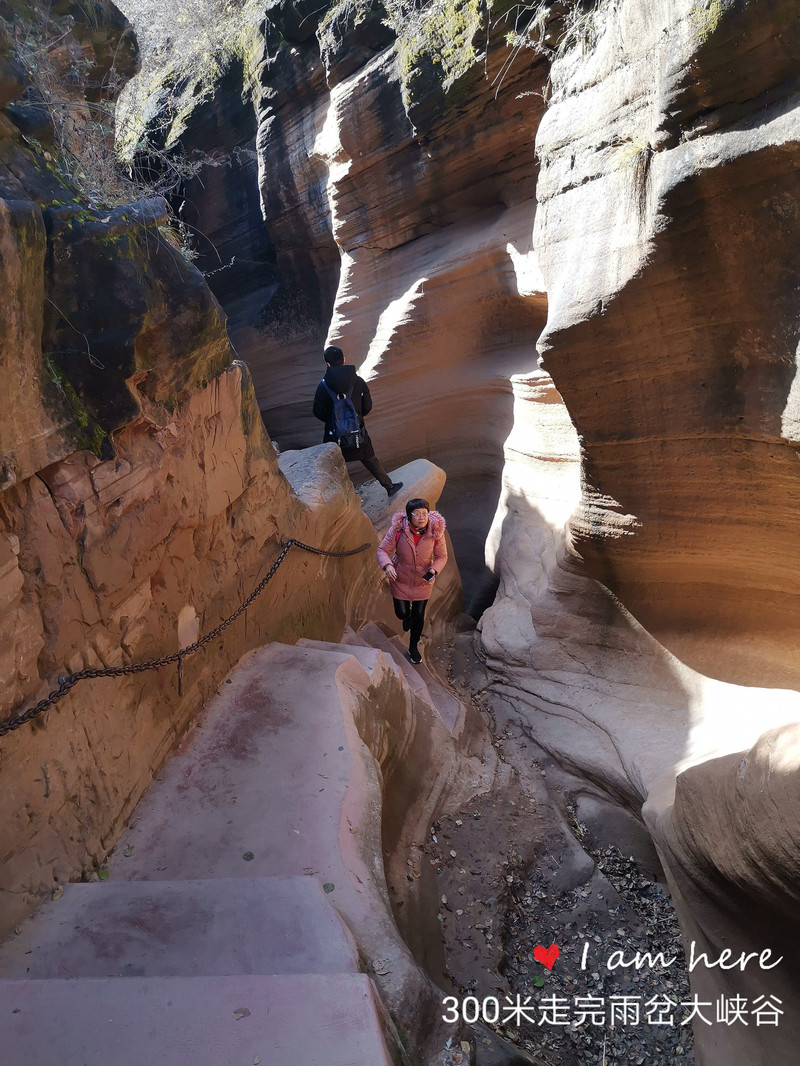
column 546, row 956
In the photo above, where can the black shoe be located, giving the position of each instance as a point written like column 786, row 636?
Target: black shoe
column 394, row 487
column 414, row 656
column 406, row 624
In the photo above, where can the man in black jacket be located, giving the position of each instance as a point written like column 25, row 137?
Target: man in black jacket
column 340, row 377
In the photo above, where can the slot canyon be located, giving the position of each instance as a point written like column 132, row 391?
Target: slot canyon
column 556, row 241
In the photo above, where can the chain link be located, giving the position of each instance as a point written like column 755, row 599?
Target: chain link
column 68, row 682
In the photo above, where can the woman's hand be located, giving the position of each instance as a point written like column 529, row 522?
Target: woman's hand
column 390, row 572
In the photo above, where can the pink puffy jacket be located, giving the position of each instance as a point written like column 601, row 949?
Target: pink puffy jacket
column 411, row 561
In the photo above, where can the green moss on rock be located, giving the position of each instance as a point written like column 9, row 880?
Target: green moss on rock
column 89, row 434
column 438, row 56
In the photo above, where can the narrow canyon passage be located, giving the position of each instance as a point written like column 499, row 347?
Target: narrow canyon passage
column 559, row 245
column 519, row 868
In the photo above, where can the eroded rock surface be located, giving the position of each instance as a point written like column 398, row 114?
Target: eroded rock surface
column 665, row 230
column 730, row 841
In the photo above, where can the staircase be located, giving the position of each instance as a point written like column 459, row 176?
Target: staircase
column 219, row 937
column 420, row 678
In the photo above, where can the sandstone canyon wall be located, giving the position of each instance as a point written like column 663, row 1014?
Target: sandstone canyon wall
column 666, row 232
column 141, row 502
column 664, row 235
column 397, row 181
column 395, row 161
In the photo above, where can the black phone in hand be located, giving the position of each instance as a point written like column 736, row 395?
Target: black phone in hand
column 431, row 574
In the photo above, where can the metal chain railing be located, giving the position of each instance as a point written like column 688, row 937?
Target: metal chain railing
column 68, row 682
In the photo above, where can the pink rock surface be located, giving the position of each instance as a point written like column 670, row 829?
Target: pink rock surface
column 217, row 926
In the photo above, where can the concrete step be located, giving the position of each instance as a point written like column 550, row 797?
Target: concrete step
column 313, row 1019
column 225, row 926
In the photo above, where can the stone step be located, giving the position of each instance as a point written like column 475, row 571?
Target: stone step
column 365, row 654
column 213, row 886
column 448, row 706
column 396, row 649
column 372, row 636
column 351, row 644
column 422, row 681
column 259, row 790
column 313, row 1019
column 225, row 926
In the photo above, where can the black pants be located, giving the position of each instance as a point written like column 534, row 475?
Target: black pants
column 377, row 471
column 413, row 612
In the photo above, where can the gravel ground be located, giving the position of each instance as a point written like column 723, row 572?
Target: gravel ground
column 497, row 903
column 642, row 920
column 519, row 871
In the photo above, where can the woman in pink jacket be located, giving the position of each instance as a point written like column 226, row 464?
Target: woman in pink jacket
column 412, row 554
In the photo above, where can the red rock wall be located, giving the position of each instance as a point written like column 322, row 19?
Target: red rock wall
column 662, row 182
column 399, row 207
column 439, row 299
column 652, row 247
column 140, row 504
column 124, row 561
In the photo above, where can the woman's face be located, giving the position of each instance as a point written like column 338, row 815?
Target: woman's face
column 419, row 518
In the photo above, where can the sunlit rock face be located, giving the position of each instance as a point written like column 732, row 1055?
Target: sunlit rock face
column 432, row 187
column 642, row 530
column 108, row 563
column 623, row 725
column 667, row 234
column 404, row 216
column 397, row 177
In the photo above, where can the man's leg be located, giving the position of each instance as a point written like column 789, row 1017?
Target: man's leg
column 377, row 471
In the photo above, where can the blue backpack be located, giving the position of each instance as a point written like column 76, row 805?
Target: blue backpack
column 346, row 425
